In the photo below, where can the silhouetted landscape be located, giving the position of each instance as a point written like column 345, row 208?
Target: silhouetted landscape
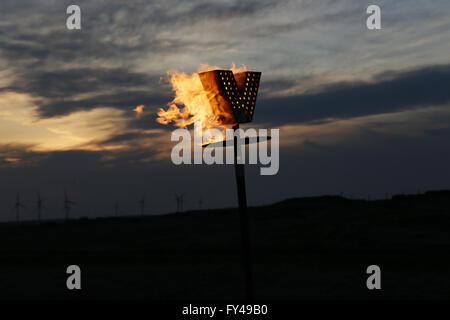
column 303, row 248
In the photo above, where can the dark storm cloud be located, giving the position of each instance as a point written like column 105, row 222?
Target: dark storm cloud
column 114, row 87
column 65, row 83
column 127, row 137
column 272, row 86
column 39, row 56
column 42, row 57
column 123, row 137
column 124, row 100
column 19, row 154
column 389, row 92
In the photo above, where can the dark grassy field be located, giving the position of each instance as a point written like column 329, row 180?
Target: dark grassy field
column 305, row 248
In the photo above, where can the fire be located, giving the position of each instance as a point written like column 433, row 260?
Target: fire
column 139, row 110
column 191, row 102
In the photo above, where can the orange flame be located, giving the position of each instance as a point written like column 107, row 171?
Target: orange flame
column 191, row 103
column 139, row 110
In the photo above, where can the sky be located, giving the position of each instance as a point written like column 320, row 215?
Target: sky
column 361, row 112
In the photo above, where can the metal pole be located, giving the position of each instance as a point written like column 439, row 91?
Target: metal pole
column 242, row 200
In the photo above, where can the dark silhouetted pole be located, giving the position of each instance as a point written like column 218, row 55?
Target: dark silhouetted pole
column 242, row 200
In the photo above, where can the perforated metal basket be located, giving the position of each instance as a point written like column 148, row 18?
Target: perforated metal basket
column 232, row 93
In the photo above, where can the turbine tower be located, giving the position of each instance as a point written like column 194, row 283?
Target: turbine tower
column 180, row 199
column 200, row 203
column 40, row 206
column 17, row 206
column 67, row 205
column 142, row 205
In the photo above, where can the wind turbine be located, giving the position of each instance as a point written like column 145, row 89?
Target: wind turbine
column 18, row 205
column 67, row 205
column 142, row 205
column 200, row 203
column 179, row 198
column 40, row 206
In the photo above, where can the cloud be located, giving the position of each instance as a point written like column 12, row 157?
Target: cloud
column 19, row 155
column 20, row 125
column 357, row 131
column 70, row 82
column 388, row 92
column 125, row 100
column 62, row 92
column 123, row 49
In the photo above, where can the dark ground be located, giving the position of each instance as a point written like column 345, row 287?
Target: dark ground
column 302, row 249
